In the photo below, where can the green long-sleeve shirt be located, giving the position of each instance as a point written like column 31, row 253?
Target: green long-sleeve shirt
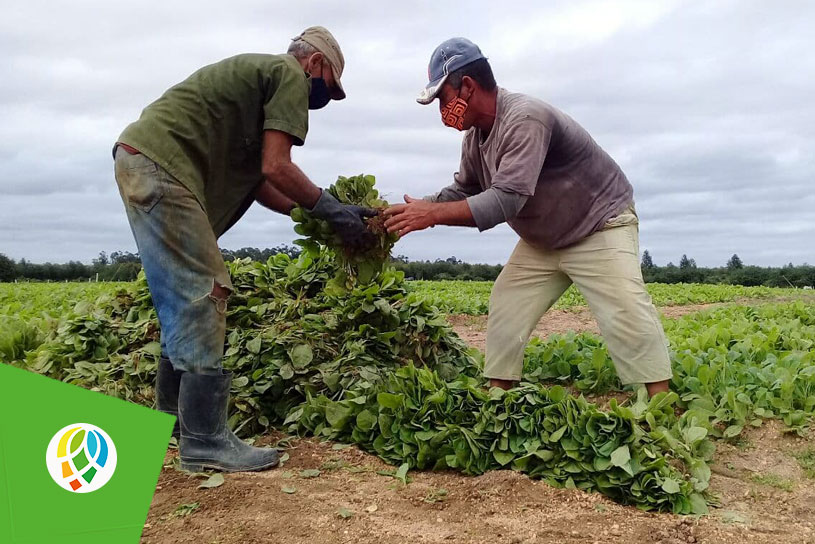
column 207, row 131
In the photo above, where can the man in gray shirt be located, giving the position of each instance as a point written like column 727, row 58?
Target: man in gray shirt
column 526, row 163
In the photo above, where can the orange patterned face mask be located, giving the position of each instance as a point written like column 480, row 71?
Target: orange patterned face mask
column 452, row 114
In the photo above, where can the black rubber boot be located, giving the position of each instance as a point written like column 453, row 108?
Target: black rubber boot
column 206, row 441
column 168, row 382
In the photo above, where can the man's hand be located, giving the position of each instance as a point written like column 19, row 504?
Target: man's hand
column 416, row 214
column 346, row 220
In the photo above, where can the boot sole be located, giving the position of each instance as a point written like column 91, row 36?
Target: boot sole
column 199, row 466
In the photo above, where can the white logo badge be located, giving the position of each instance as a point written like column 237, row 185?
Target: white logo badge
column 81, row 458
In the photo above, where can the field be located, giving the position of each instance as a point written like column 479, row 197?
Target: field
column 732, row 437
column 472, row 297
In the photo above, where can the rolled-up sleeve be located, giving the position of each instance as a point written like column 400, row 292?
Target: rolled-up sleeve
column 494, row 206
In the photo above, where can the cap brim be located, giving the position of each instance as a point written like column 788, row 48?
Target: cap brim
column 431, row 91
column 337, row 92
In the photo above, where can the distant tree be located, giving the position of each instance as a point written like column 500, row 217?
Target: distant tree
column 122, row 257
column 291, row 251
column 101, row 260
column 647, row 261
column 686, row 264
column 735, row 263
column 251, row 252
column 8, row 270
column 754, row 275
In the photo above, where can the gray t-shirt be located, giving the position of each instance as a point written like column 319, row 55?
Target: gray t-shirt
column 539, row 171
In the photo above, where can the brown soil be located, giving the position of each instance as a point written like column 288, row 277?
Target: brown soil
column 749, row 478
column 473, row 328
column 498, row 507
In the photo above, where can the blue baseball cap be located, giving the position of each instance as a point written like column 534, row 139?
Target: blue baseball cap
column 451, row 55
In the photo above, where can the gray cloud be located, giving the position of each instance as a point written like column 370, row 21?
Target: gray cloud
column 706, row 106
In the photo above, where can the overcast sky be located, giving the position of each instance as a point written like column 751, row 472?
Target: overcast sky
column 708, row 107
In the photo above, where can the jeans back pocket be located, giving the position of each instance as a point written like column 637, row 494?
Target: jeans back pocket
column 139, row 180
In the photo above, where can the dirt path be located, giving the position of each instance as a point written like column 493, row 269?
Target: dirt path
column 473, row 328
column 764, row 495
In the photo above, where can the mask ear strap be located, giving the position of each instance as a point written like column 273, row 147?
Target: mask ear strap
column 311, row 66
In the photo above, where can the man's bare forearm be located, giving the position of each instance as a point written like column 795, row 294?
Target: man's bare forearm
column 454, row 214
column 292, row 183
column 416, row 214
column 270, row 197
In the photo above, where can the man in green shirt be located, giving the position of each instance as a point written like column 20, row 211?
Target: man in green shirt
column 187, row 170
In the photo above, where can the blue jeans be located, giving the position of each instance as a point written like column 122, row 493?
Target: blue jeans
column 182, row 262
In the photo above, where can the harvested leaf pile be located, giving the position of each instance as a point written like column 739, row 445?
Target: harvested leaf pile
column 335, row 346
column 354, row 268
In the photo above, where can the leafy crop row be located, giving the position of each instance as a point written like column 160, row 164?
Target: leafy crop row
column 734, row 366
column 472, row 297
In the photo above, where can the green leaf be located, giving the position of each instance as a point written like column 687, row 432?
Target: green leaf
column 389, row 400
column 733, row 430
column 694, row 434
column 670, row 486
column 401, row 473
column 286, row 372
column 698, row 504
column 621, row 456
column 301, row 355
column 153, row 348
column 366, row 420
column 344, row 512
column 216, row 480
column 557, row 394
column 557, row 435
column 503, row 457
column 288, row 489
column 184, row 510
column 310, row 473
column 337, row 415
column 253, row 345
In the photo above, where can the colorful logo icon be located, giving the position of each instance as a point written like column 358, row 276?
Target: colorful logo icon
column 81, row 458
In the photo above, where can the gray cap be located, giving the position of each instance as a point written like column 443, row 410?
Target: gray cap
column 448, row 57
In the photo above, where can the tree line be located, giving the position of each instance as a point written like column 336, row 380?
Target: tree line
column 734, row 272
column 125, row 266
column 116, row 266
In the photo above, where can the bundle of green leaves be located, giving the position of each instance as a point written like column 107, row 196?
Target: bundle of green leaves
column 355, row 268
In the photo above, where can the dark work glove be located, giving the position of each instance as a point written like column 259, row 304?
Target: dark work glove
column 346, row 220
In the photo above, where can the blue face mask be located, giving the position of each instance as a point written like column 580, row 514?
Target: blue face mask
column 319, row 95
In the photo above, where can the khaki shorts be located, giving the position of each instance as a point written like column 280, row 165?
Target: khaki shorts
column 605, row 268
